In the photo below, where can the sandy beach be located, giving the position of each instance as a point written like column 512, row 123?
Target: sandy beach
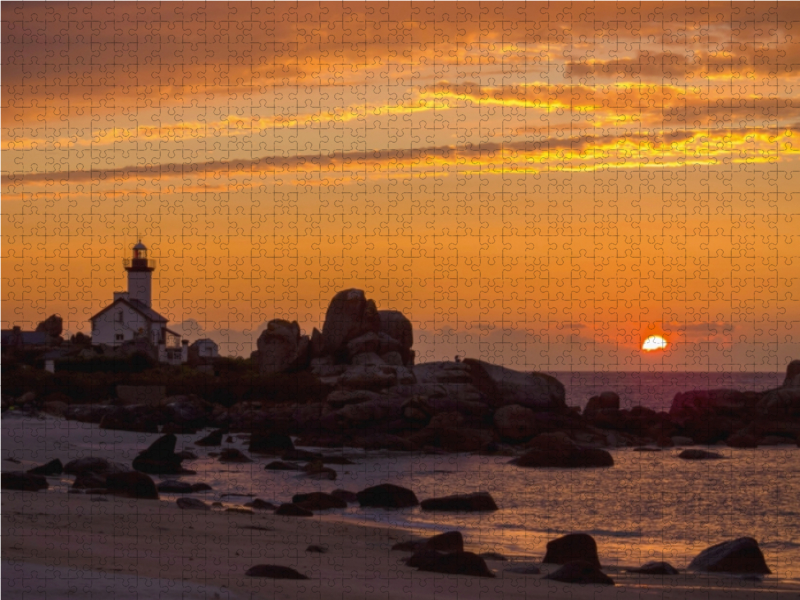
column 208, row 553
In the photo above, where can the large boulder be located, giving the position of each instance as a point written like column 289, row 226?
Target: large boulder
column 709, row 416
column 453, row 563
column 387, row 495
column 349, row 316
column 557, row 450
column 281, row 348
column 395, row 326
column 503, row 387
column 572, row 547
column 655, row 568
column 792, row 375
column 160, row 458
column 741, row 555
column 581, row 572
column 475, row 502
column 782, row 403
column 93, row 465
column 515, row 423
column 132, row 485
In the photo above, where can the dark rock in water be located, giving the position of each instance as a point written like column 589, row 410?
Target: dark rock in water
column 54, row 467
column 259, row 504
column 741, row 555
column 317, row 549
column 300, row 455
column 279, row 465
column 132, row 484
column 212, row 439
column 232, row 455
column 26, row 482
column 580, row 571
column 387, row 495
column 655, row 568
column 292, row 510
column 274, row 572
column 89, row 480
column 576, row 458
column 192, row 504
column 528, row 569
column 492, row 556
column 572, row 547
column 450, row 541
column 160, row 457
column 318, row 501
column 345, row 495
column 201, row 487
column 94, row 465
column 455, row 563
column 270, row 443
column 316, row 470
column 695, row 454
column 475, row 502
column 171, row 486
column 709, row 416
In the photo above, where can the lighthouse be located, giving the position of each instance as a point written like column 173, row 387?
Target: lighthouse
column 140, row 275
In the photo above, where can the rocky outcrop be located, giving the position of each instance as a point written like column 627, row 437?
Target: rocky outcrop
column 515, row 423
column 573, row 547
column 607, row 401
column 503, row 387
column 132, row 485
column 655, row 568
column 138, row 418
column 91, row 464
column 188, row 411
column 349, row 316
column 741, row 555
column 581, row 572
column 475, row 502
column 212, row 439
column 396, row 334
column 708, row 416
column 387, row 495
column 281, row 348
column 54, row 467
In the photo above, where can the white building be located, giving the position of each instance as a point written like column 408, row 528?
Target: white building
column 130, row 316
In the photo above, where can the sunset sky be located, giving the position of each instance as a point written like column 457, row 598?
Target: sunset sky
column 541, row 185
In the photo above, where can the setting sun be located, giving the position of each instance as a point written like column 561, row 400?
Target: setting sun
column 654, row 342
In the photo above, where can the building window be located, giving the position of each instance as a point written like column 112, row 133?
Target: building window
column 119, row 337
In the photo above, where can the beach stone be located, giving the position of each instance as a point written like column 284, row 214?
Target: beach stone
column 270, row 443
column 160, row 457
column 318, row 501
column 26, row 482
column 274, row 572
column 572, row 547
column 132, row 484
column 232, row 455
column 580, row 571
column 188, row 410
column 347, row 496
column 279, row 465
column 697, row 454
column 504, row 386
column 192, row 504
column 94, row 465
column 292, row 510
column 475, row 502
column 387, row 495
column 656, row 568
column 201, row 487
column 741, row 555
column 172, row 486
column 515, row 423
column 54, row 467
column 212, row 439
column 316, row 470
column 454, row 563
column 259, row 504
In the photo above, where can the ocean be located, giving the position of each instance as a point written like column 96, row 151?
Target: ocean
column 649, row 506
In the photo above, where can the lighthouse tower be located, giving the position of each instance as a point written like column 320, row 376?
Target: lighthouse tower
column 140, row 275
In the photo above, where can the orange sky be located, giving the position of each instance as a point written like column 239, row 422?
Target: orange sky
column 544, row 185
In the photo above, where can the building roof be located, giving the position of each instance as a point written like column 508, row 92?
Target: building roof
column 27, row 338
column 147, row 312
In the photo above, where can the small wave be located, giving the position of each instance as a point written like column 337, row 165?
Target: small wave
column 616, row 534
